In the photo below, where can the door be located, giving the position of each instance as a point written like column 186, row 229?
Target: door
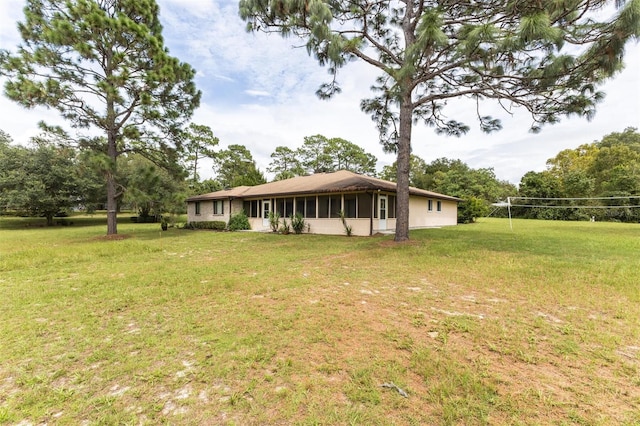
column 266, row 209
column 382, row 212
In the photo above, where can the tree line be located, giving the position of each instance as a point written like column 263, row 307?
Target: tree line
column 55, row 173
column 605, row 171
column 50, row 177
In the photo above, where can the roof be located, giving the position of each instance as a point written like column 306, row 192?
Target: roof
column 340, row 181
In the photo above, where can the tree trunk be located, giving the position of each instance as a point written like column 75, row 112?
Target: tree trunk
column 403, row 163
column 112, row 202
column 49, row 217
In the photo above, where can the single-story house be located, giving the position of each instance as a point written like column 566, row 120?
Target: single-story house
column 369, row 204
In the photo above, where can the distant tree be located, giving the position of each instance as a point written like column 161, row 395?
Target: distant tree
column 204, row 187
column 606, row 168
column 285, row 163
column 315, row 155
column 477, row 187
column 539, row 185
column 40, row 181
column 349, row 156
column 198, row 142
column 545, row 56
column 150, row 189
column 102, row 64
column 5, row 138
column 235, row 166
column 319, row 154
column 417, row 176
column 453, row 177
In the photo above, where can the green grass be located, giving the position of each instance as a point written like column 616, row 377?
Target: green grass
column 477, row 323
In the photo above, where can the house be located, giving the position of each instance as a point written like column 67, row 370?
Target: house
column 369, row 204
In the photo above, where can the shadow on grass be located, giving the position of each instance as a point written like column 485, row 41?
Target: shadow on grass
column 17, row 223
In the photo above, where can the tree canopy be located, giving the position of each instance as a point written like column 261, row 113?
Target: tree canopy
column 319, row 154
column 477, row 187
column 235, row 166
column 606, row 168
column 42, row 180
column 546, row 57
column 103, row 65
column 198, row 143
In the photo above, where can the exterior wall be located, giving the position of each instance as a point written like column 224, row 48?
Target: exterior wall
column 421, row 217
column 391, row 225
column 206, row 212
column 334, row 226
column 359, row 227
column 236, row 207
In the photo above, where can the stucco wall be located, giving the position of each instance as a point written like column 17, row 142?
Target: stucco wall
column 421, row 217
column 322, row 226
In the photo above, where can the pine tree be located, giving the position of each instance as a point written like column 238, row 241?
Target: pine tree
column 547, row 57
column 103, row 65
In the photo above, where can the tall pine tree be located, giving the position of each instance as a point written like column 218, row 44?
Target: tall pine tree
column 103, row 65
column 547, row 57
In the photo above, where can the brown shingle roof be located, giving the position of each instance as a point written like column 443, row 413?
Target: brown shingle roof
column 340, row 181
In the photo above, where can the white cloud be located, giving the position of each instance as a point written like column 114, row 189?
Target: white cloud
column 257, row 93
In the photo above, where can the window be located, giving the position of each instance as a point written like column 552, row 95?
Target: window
column 350, row 205
column 392, row 207
column 280, row 207
column 251, row 208
column 218, row 207
column 198, row 207
column 311, row 207
column 323, row 206
column 430, row 205
column 439, row 206
column 336, row 205
column 300, row 206
column 375, row 206
column 364, row 205
column 288, row 207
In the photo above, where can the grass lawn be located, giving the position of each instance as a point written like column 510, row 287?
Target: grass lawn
column 478, row 324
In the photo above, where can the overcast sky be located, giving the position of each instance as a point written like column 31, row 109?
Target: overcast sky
column 259, row 91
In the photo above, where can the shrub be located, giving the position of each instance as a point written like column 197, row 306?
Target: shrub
column 285, row 228
column 297, row 223
column 274, row 221
column 238, row 222
column 348, row 229
column 471, row 209
column 216, row 225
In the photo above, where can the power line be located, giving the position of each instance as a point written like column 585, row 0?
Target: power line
column 628, row 197
column 573, row 206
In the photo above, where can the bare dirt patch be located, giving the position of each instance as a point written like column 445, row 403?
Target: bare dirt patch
column 113, row 237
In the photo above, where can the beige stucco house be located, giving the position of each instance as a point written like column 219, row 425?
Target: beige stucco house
column 369, row 204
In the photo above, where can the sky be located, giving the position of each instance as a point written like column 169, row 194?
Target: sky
column 258, row 90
